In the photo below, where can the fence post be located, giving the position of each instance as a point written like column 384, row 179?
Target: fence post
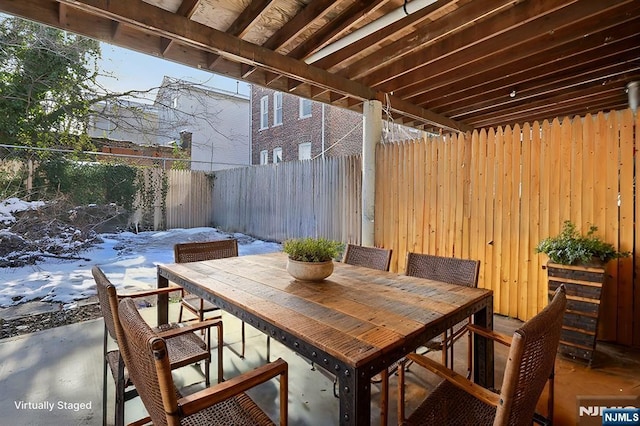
column 29, row 177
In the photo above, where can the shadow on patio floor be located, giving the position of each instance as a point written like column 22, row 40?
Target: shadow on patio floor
column 46, row 376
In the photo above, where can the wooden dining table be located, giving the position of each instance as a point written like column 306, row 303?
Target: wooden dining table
column 355, row 323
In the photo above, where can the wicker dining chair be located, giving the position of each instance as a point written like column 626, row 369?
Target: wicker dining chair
column 198, row 251
column 185, row 346
column 458, row 401
column 145, row 354
column 451, row 270
column 369, row 257
column 195, row 252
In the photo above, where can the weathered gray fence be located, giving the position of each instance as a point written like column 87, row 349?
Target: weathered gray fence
column 189, row 199
column 170, row 199
column 295, row 199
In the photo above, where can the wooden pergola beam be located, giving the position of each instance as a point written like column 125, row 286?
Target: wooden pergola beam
column 162, row 23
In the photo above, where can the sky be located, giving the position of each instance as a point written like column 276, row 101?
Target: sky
column 130, row 70
column 129, row 260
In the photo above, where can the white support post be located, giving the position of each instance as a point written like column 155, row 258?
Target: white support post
column 371, row 136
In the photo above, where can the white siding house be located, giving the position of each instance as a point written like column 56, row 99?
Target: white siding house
column 123, row 120
column 217, row 121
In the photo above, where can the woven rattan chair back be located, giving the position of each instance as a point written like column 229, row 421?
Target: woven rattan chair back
column 369, row 257
column 108, row 299
column 530, row 362
column 207, row 250
column 447, row 269
column 145, row 354
column 463, row 272
column 197, row 252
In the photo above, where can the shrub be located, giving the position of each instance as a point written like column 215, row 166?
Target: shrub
column 87, row 182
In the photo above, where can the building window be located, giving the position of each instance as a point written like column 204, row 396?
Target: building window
column 264, row 157
column 305, row 108
column 174, row 102
column 277, row 108
column 277, row 155
column 304, row 151
column 264, row 112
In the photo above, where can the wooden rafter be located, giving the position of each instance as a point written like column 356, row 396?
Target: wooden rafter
column 464, row 17
column 449, row 61
column 336, row 28
column 144, row 16
column 469, row 62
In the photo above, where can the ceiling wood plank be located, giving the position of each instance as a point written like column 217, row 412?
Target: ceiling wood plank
column 165, row 45
column 314, row 11
column 116, row 29
column 436, row 66
column 595, row 105
column 248, row 17
column 187, row 8
column 162, row 23
column 336, row 28
column 373, row 40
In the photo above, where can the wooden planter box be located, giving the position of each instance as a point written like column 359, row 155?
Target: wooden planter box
column 584, row 288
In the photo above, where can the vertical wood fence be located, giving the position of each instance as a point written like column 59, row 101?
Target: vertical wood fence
column 320, row 197
column 189, row 199
column 490, row 195
column 494, row 194
column 169, row 199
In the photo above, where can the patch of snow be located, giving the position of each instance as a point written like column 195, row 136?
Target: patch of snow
column 13, row 205
column 128, row 259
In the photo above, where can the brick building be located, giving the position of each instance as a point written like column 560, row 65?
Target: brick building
column 285, row 127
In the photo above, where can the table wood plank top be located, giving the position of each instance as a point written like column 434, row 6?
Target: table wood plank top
column 354, row 315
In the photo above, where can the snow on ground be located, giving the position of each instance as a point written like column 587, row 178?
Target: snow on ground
column 128, row 259
column 12, row 205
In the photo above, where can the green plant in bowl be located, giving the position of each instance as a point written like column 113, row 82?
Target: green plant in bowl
column 572, row 248
column 312, row 249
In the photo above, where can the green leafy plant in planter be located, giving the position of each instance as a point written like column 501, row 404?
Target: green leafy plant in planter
column 312, row 249
column 572, row 248
column 578, row 262
column 311, row 259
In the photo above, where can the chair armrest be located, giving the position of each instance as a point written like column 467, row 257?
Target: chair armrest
column 152, row 292
column 188, row 328
column 490, row 334
column 141, row 422
column 205, row 398
column 456, row 379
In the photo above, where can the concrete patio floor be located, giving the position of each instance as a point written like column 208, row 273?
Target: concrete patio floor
column 54, row 377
